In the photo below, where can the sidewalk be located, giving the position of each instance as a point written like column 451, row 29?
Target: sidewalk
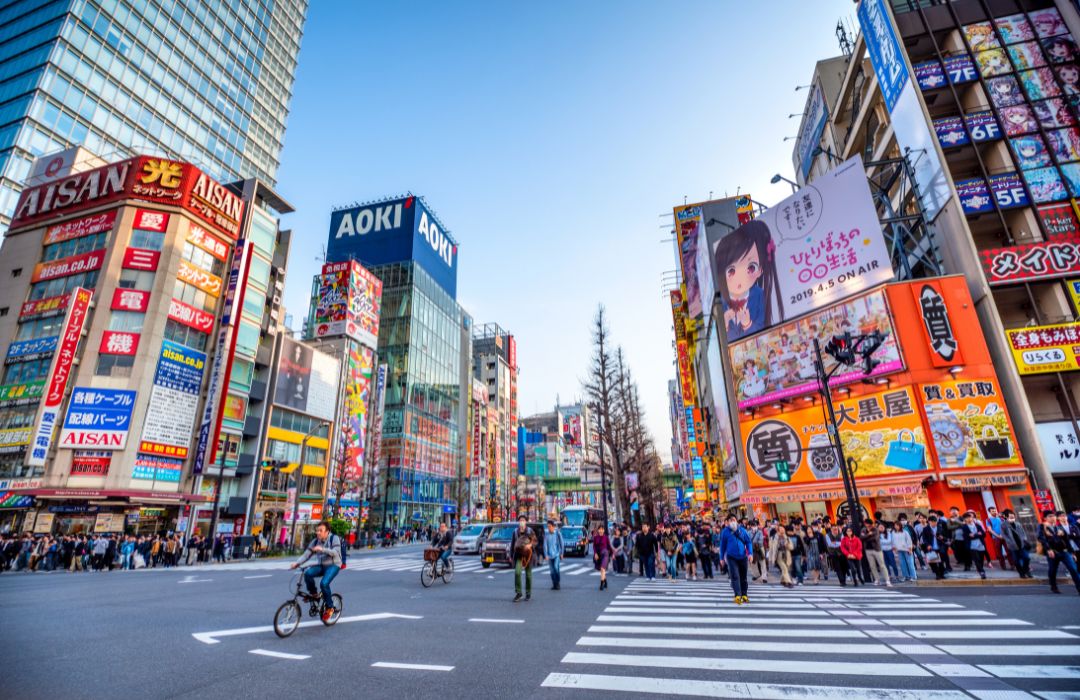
column 994, row 577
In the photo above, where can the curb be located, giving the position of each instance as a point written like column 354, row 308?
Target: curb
column 982, row 582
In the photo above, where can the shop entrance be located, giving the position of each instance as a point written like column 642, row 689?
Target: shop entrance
column 1024, row 507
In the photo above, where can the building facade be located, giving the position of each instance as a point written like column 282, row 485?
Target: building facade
column 208, row 83
column 494, row 364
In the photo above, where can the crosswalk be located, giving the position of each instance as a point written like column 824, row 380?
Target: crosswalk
column 687, row 638
column 389, row 563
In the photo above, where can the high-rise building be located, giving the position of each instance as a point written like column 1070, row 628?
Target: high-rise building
column 207, row 83
column 494, row 362
column 423, row 333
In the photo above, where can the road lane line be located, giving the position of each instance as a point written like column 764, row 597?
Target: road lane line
column 212, row 637
column 1010, row 650
column 984, row 634
column 1034, row 671
column 279, row 654
column 726, row 631
column 414, row 667
column 712, row 620
column 786, row 665
column 935, row 622
column 260, row 576
column 715, row 611
column 493, row 619
column 723, row 645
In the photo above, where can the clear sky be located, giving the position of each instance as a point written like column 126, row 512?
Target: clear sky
column 550, row 138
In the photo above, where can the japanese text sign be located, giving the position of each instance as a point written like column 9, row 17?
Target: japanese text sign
column 1058, row 257
column 77, row 228
column 130, row 300
column 1060, row 446
column 1044, row 349
column 118, row 343
column 969, row 426
column 198, row 277
column 98, row 419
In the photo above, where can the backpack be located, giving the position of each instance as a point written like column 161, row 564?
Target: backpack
column 687, row 548
column 343, row 546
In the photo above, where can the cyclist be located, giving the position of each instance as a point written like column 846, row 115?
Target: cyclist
column 443, row 540
column 328, row 548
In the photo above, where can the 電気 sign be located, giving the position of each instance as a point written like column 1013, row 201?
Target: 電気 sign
column 814, row 248
column 1059, row 257
column 969, row 426
column 174, row 400
column 97, row 419
column 1045, row 349
column 130, row 300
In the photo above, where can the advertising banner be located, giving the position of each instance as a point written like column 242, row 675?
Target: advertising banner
column 1059, row 220
column 26, row 349
column 813, row 249
column 57, row 378
column 688, row 230
column 130, row 300
column 950, row 132
column 307, row 380
column 157, row 468
column 1044, row 260
column 90, row 463
column 883, row 432
column 983, row 126
column 119, row 343
column 930, row 75
column 51, row 306
column 960, row 69
column 1073, row 287
column 139, row 259
column 1060, row 446
column 332, row 303
column 77, row 228
column 1045, row 349
column 974, row 196
column 937, row 326
column 14, row 437
column 365, row 306
column 200, row 278
column 377, row 422
column 22, row 392
column 969, row 426
column 191, row 316
column 682, row 349
column 174, row 400
column 71, row 265
column 201, row 238
column 358, row 387
column 779, row 364
column 815, row 116
column 150, row 220
column 235, row 408
column 97, row 419
column 720, row 409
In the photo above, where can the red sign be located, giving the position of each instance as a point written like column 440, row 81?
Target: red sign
column 149, row 220
column 77, row 228
column 139, row 259
column 190, row 316
column 130, row 300
column 209, row 242
column 1043, row 502
column 65, row 267
column 238, row 525
column 69, row 341
column 511, row 352
column 51, row 306
column 91, row 464
column 119, row 343
column 217, row 204
column 1059, row 220
column 1059, row 257
column 156, row 448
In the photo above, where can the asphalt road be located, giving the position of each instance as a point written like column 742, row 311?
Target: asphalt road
column 204, row 633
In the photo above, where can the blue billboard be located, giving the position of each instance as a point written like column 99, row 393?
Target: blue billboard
column 396, row 230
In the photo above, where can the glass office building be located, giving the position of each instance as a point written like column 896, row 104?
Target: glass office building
column 206, row 82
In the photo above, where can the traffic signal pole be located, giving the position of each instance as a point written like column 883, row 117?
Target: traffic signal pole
column 848, row 474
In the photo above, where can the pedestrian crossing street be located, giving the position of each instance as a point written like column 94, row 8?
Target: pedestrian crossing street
column 413, row 561
column 687, row 638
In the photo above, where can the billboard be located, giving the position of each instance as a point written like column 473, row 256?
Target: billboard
column 720, row 409
column 358, row 386
column 1058, row 257
column 77, row 228
column 779, row 363
column 814, row 248
column 174, row 401
column 689, row 229
column 395, row 230
column 883, row 432
column 1060, row 445
column 1045, row 349
column 969, row 426
column 815, row 116
column 348, row 302
column 682, row 349
column 306, row 380
column 97, row 418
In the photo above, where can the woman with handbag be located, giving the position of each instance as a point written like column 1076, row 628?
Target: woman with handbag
column 601, row 548
column 851, row 548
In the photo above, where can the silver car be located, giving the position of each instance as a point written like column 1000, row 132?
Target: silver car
column 471, row 538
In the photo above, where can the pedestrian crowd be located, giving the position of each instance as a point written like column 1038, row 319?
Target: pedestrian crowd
column 108, row 551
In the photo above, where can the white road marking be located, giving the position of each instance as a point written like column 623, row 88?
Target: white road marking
column 1034, row 671
column 212, row 637
column 414, row 667
column 725, row 631
column 190, row 578
column 1009, row 650
column 493, row 619
column 1052, row 695
column 956, row 671
column 763, row 665
column 722, row 689
column 724, row 645
column 260, row 576
column 954, row 613
column 936, row 622
column 711, row 620
column 984, row 634
column 715, row 611
column 279, row 654
column 578, row 572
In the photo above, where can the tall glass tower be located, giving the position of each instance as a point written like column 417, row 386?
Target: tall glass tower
column 208, row 82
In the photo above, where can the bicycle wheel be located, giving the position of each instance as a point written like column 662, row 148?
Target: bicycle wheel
column 427, row 574
column 287, row 618
column 448, row 571
column 338, row 604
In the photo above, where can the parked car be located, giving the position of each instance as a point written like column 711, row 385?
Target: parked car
column 575, row 541
column 496, row 548
column 472, row 538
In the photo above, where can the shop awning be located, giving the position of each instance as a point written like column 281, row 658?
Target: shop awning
column 900, row 487
column 985, row 480
column 312, row 470
column 103, row 494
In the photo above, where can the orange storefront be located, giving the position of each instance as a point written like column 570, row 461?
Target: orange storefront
column 928, row 429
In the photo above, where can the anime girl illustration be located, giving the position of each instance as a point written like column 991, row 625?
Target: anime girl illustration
column 752, row 383
column 1030, row 151
column 1071, row 173
column 1045, row 185
column 992, row 63
column 1053, row 113
column 1039, row 83
column 688, row 249
column 1047, row 22
column 1014, row 28
column 744, row 265
column 1027, row 55
column 1018, row 120
column 1069, row 75
column 1060, row 49
column 1066, row 144
column 981, row 36
column 1005, row 91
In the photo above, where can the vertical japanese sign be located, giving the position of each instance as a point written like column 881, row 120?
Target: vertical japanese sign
column 377, row 418
column 174, row 401
column 357, row 400
column 214, row 407
column 940, row 336
column 56, row 382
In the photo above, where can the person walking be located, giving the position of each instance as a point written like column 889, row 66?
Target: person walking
column 996, row 545
column 852, row 549
column 903, row 551
column 646, row 546
column 933, row 543
column 690, row 556
column 784, row 548
column 1055, row 543
column 871, row 542
column 798, row 553
column 885, row 533
column 670, row 544
column 553, row 551
column 958, row 539
column 1016, row 543
column 812, row 552
column 974, row 536
column 601, row 547
column 521, row 546
column 760, row 561
column 618, row 550
column 837, row 559
column 706, row 550
column 736, row 548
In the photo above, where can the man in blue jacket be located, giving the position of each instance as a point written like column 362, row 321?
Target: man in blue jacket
column 736, row 549
column 553, row 551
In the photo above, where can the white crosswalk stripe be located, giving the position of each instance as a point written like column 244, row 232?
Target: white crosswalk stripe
column 679, row 638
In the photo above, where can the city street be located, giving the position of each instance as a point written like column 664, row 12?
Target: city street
column 205, row 632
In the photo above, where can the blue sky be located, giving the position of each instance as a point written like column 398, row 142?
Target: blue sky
column 550, row 138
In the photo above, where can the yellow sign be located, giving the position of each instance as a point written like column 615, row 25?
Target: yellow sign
column 1074, row 293
column 13, row 437
column 1045, row 349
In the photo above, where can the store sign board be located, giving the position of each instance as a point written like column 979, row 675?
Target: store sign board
column 201, row 238
column 77, row 228
column 130, row 300
column 1073, row 287
column 90, row 463
column 97, row 419
column 139, row 259
column 151, row 220
column 969, row 426
column 1060, row 445
column 1043, row 260
column 200, row 278
column 50, row 306
column 191, row 316
column 174, row 398
column 25, row 349
column 158, row 468
column 937, row 327
column 1046, row 349
column 71, row 265
column 1059, row 220
column 119, row 343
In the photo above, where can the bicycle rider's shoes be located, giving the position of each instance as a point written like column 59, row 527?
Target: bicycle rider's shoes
column 327, row 614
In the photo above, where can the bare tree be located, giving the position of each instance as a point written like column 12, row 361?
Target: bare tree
column 600, row 391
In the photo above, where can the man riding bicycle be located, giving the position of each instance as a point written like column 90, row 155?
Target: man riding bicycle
column 328, row 548
column 444, row 542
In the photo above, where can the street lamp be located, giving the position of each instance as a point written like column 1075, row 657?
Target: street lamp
column 303, row 459
column 780, row 178
column 846, row 349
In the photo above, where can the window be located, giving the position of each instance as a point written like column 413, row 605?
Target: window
column 179, row 333
column 193, row 296
column 22, row 372
column 150, row 240
column 299, row 423
column 311, row 484
column 242, row 371
column 136, row 279
column 3, row 311
column 74, row 246
column 128, row 321
column 63, row 285
column 17, row 272
column 39, row 328
column 114, row 365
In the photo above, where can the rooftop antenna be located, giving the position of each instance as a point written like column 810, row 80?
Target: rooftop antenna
column 842, row 36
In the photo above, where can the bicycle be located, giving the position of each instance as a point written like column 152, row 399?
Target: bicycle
column 434, row 568
column 287, row 617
